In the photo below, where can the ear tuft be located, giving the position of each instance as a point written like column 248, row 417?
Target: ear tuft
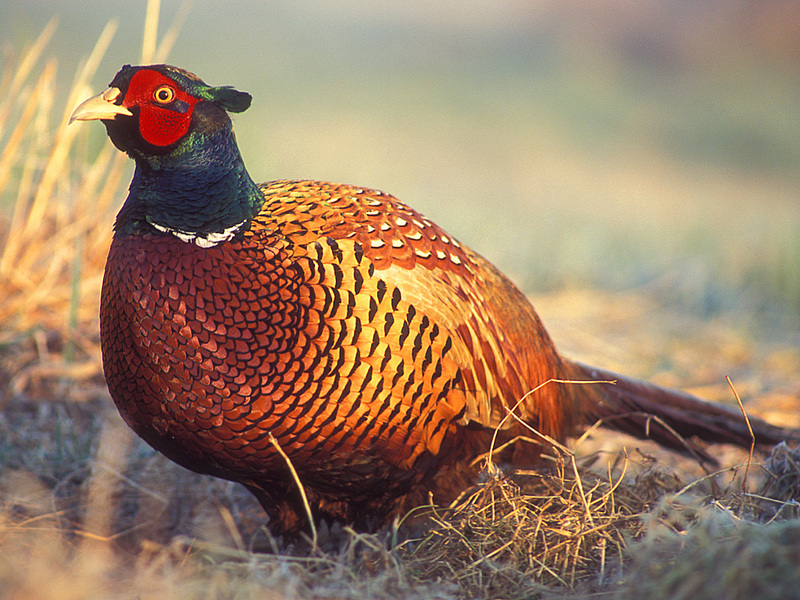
column 230, row 99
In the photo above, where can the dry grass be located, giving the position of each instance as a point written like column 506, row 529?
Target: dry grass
column 694, row 550
column 58, row 195
column 56, row 240
column 520, row 537
column 117, row 522
column 87, row 511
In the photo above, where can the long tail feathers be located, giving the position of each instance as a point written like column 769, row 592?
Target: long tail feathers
column 671, row 418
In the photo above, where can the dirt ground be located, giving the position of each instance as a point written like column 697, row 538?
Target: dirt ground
column 75, row 483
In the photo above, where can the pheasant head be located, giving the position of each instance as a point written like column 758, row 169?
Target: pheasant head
column 190, row 180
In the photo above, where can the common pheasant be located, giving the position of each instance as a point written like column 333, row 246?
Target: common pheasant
column 330, row 323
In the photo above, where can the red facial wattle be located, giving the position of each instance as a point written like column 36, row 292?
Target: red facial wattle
column 165, row 110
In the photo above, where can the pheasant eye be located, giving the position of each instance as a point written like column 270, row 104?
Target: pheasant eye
column 164, row 94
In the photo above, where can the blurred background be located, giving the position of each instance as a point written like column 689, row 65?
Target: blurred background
column 641, row 146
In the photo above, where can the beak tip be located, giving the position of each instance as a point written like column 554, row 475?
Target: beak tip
column 99, row 108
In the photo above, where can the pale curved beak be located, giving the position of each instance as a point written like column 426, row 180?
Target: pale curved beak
column 100, row 107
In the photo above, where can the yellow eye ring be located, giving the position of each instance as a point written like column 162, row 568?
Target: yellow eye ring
column 164, row 94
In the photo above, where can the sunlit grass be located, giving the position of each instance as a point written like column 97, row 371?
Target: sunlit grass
column 55, row 242
column 58, row 191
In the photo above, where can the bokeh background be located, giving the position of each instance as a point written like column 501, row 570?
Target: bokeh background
column 650, row 146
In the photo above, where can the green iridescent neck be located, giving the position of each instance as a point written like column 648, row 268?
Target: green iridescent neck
column 200, row 192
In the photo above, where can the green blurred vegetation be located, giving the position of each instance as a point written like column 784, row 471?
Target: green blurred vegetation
column 651, row 146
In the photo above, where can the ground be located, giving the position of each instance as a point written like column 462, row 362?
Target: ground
column 93, row 511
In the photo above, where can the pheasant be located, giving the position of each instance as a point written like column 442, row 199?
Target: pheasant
column 250, row 329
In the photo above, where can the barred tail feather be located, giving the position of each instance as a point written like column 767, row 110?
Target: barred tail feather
column 672, row 418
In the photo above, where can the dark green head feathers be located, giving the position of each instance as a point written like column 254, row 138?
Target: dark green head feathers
column 190, row 180
column 163, row 101
column 225, row 97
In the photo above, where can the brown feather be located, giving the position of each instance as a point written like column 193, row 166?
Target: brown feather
column 379, row 352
